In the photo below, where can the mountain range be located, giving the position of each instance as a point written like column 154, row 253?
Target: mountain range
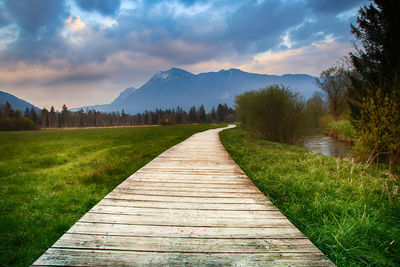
column 16, row 103
column 177, row 87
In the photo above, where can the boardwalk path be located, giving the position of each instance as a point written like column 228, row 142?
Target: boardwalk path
column 192, row 205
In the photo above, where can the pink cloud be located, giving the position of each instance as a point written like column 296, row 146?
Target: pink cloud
column 310, row 59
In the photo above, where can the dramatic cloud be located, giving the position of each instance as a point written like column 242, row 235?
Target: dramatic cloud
column 69, row 47
column 104, row 7
column 310, row 59
column 40, row 17
column 332, row 7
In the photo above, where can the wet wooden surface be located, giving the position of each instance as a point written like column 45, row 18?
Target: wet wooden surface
column 192, row 205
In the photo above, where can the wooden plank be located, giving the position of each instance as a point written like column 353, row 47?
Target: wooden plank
column 188, row 187
column 192, row 193
column 194, row 213
column 186, row 205
column 215, row 162
column 186, row 231
column 185, row 190
column 85, row 257
column 190, row 173
column 193, row 206
column 192, row 180
column 205, row 199
column 207, row 245
column 172, row 220
column 189, row 182
column 190, row 176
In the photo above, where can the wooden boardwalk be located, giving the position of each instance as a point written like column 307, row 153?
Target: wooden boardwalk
column 192, row 205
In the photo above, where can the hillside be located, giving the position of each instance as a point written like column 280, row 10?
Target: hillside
column 16, row 103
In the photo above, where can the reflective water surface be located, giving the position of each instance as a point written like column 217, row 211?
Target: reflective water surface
column 326, row 145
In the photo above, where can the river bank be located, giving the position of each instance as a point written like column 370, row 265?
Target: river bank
column 350, row 211
column 342, row 130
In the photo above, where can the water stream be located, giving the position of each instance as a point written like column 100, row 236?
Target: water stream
column 326, row 145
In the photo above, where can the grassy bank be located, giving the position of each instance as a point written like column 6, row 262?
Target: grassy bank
column 351, row 213
column 343, row 130
column 50, row 178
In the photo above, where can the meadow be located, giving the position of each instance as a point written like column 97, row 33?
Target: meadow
column 51, row 178
column 349, row 211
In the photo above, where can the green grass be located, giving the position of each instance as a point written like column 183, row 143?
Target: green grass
column 343, row 129
column 50, row 178
column 351, row 213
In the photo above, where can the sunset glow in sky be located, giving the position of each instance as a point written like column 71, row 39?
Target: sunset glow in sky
column 84, row 52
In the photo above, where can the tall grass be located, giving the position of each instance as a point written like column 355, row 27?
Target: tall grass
column 343, row 130
column 50, row 178
column 352, row 213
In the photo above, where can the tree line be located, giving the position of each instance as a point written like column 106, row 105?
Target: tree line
column 29, row 120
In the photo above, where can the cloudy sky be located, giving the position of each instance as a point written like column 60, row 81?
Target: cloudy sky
column 83, row 52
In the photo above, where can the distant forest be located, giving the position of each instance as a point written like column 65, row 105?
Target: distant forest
column 14, row 120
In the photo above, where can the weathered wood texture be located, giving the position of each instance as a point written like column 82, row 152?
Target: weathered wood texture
column 192, row 205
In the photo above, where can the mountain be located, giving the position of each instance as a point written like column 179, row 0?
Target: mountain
column 123, row 95
column 177, row 87
column 16, row 103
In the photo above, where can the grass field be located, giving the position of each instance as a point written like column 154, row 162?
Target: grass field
column 351, row 213
column 50, row 178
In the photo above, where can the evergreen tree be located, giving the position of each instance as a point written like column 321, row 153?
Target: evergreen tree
column 81, row 115
column 8, row 111
column 27, row 113
column 179, row 115
column 44, row 118
column 52, row 117
column 375, row 94
column 222, row 112
column 63, row 122
column 378, row 61
column 123, row 117
column 33, row 115
column 17, row 114
column 202, row 114
column 192, row 114
column 213, row 115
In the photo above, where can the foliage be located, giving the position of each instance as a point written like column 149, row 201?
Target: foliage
column 51, row 178
column 223, row 111
column 315, row 110
column 335, row 82
column 344, row 130
column 374, row 96
column 230, row 118
column 17, row 124
column 380, row 128
column 192, row 114
column 202, row 114
column 352, row 213
column 274, row 113
column 378, row 60
column 12, row 120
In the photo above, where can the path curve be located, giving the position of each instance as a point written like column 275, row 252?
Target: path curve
column 192, row 205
